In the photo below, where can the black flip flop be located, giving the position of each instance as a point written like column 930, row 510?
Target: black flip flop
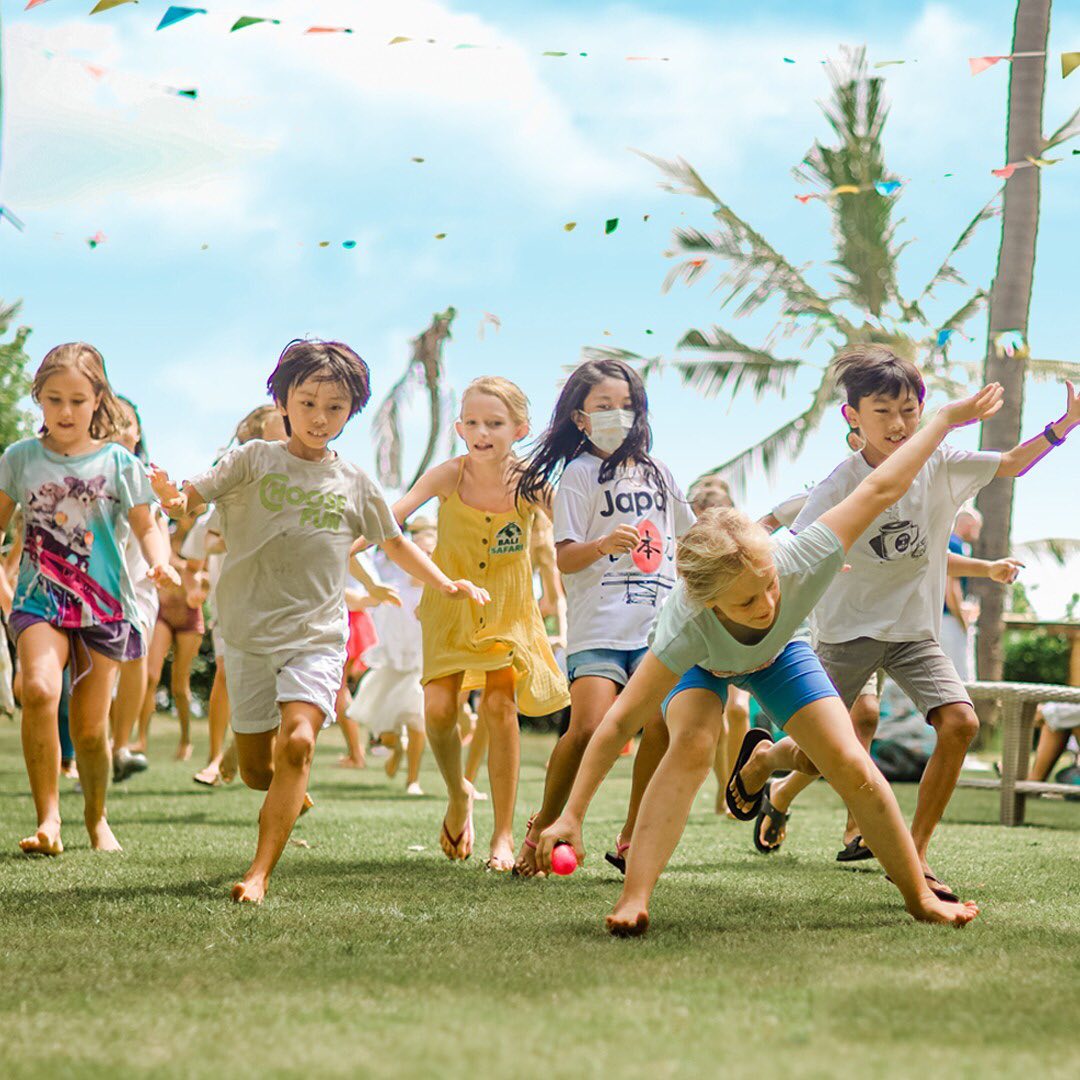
column 750, row 740
column 777, row 819
column 617, row 861
column 854, row 851
column 938, row 888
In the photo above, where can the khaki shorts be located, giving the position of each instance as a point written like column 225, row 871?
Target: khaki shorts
column 920, row 668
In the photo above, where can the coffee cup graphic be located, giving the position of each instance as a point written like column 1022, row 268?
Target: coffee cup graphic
column 897, row 540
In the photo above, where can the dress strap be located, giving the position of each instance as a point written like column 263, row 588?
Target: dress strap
column 460, row 473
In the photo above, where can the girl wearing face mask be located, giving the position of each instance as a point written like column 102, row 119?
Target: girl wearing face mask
column 617, row 514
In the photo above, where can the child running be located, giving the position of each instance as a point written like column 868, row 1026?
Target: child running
column 484, row 531
column 290, row 514
column 75, row 601
column 617, row 514
column 731, row 618
column 885, row 614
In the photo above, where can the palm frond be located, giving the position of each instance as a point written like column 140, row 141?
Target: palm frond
column 1053, row 370
column 1067, row 131
column 946, row 273
column 783, row 444
column 1056, row 549
column 683, row 179
column 386, row 430
column 731, row 364
column 646, row 365
column 966, row 311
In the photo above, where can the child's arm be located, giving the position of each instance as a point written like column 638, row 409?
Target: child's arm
column 155, row 547
column 1003, row 571
column 642, row 698
column 954, row 600
column 379, row 593
column 888, row 482
column 404, row 553
column 573, row 556
column 438, row 483
column 7, row 508
column 1020, row 459
column 175, row 502
column 355, row 600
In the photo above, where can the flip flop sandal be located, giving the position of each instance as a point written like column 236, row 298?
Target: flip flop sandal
column 455, row 843
column 769, row 840
column 751, row 740
column 618, row 857
column 854, row 851
column 938, row 888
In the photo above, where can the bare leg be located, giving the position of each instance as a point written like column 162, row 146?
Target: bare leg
column 651, row 750
column 130, row 686
column 1050, row 747
column 43, row 654
column 865, row 714
column 293, row 750
column 356, row 755
column 590, row 698
column 392, row 741
column 185, row 649
column 736, row 725
column 91, row 694
column 414, row 752
column 498, row 707
column 695, row 719
column 440, row 716
column 160, row 643
column 478, row 748
column 218, row 724
column 956, row 726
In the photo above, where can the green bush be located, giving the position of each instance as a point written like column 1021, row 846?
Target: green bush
column 1034, row 656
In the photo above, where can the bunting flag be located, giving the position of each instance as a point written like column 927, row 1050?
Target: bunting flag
column 251, row 20
column 4, row 211
column 493, row 320
column 33, row 4
column 610, row 225
column 105, row 5
column 328, row 30
column 982, row 63
column 96, row 240
column 887, row 187
column 1070, row 61
column 178, row 14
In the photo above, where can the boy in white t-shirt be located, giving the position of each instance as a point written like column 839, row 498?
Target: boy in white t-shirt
column 885, row 611
column 290, row 513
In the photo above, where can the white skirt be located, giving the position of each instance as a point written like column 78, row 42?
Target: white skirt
column 388, row 699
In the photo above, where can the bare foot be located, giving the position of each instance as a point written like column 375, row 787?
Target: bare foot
column 138, row 747
column 101, row 836
column 183, row 751
column 754, row 774
column 525, row 866
column 46, row 841
column 69, row 769
column 501, row 858
column 249, row 891
column 229, row 765
column 393, row 762
column 932, row 910
column 347, row 761
column 210, row 776
column 456, row 838
column 629, row 919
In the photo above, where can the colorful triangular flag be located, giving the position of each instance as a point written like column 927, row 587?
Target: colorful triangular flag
column 105, row 5
column 251, row 20
column 178, row 14
column 981, row 63
column 33, row 4
column 1070, row 61
column 327, row 30
column 886, row 187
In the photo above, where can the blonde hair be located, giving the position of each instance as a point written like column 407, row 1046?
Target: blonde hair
column 716, row 549
column 510, row 394
column 77, row 356
column 253, row 426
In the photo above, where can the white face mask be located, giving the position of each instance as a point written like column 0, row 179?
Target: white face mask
column 610, row 428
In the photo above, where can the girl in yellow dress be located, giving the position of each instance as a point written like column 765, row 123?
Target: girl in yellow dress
column 484, row 534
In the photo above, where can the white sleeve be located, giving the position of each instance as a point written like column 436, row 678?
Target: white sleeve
column 681, row 514
column 968, row 471
column 234, row 468
column 787, row 511
column 571, row 507
column 820, row 499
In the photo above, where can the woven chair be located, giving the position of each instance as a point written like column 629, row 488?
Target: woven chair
column 1018, row 702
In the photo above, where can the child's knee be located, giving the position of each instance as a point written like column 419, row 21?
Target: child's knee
column 853, row 771
column 86, row 738
column 694, row 750
column 256, row 776
column 40, row 693
column 956, row 724
column 297, row 747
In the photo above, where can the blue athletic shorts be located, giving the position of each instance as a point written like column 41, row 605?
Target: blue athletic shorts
column 614, row 664
column 792, row 680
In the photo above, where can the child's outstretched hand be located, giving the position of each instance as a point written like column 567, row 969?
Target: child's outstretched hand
column 163, row 575
column 566, row 829
column 978, row 407
column 384, row 594
column 625, row 538
column 168, row 493
column 1072, row 405
column 1005, row 571
column 468, row 591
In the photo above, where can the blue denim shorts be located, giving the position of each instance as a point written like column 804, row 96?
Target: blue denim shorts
column 614, row 664
column 794, row 679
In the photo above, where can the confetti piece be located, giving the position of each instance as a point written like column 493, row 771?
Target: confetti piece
column 98, row 238
column 607, row 333
column 466, row 46
column 549, row 53
column 888, row 63
column 440, row 236
column 1070, row 61
column 105, row 5
column 328, row 30
column 418, row 160
column 648, row 331
column 348, row 245
column 982, row 63
column 324, row 243
column 204, row 247
column 646, row 217
column 249, row 20
column 886, row 187
column 788, row 60
column 570, row 226
column 97, row 72
column 804, row 199
column 6, row 213
column 610, row 225
column 943, row 337
column 193, row 93
column 399, row 40
column 178, row 14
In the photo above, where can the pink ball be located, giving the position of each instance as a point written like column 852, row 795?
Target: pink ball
column 563, row 859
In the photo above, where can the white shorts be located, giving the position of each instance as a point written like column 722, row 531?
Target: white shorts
column 387, row 699
column 217, row 641
column 147, row 604
column 260, row 682
column 1060, row 717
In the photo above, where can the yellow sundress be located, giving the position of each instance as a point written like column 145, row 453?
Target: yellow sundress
column 491, row 550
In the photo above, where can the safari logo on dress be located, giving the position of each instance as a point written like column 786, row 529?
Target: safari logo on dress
column 508, row 540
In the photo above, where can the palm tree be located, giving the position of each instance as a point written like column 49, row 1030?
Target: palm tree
column 15, row 422
column 425, row 368
column 863, row 303
column 1010, row 297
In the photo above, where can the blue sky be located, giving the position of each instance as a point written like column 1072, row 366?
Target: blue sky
column 296, row 139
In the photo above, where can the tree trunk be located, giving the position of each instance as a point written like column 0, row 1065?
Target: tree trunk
column 1010, row 300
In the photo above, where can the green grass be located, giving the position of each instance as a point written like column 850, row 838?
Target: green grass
column 371, row 959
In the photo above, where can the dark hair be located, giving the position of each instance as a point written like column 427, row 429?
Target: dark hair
column 140, row 446
column 864, row 371
column 562, row 440
column 323, row 361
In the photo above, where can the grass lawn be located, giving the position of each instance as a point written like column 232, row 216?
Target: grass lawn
column 371, row 958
